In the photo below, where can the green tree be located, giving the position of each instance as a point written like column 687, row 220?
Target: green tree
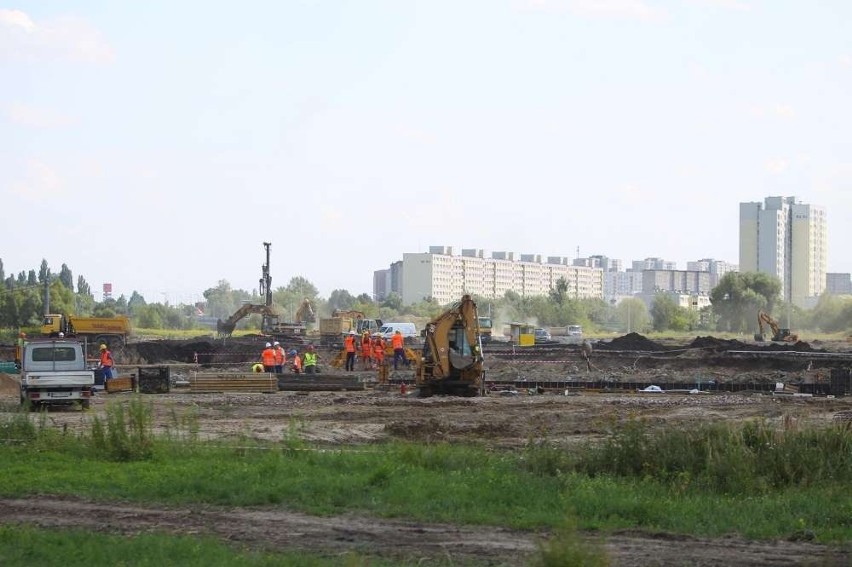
column 633, row 315
column 62, row 299
column 43, row 272
column 668, row 315
column 340, row 299
column 739, row 296
column 136, row 301
column 66, row 278
column 559, row 292
column 302, row 288
column 393, row 302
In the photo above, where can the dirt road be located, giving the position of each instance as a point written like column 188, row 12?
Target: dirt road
column 279, row 529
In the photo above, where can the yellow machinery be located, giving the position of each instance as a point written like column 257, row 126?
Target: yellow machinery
column 522, row 334
column 778, row 334
column 97, row 329
column 452, row 353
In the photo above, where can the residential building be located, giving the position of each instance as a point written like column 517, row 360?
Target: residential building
column 716, row 268
column 788, row 239
column 838, row 284
column 444, row 277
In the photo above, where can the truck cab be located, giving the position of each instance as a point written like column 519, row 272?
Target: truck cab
column 54, row 372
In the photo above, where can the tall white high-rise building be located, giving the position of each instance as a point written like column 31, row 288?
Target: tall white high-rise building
column 788, row 239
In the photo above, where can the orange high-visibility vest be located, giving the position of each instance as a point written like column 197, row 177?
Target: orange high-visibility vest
column 268, row 357
column 106, row 358
column 396, row 341
column 349, row 343
column 379, row 350
column 280, row 356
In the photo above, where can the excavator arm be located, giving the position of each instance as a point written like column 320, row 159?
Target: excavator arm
column 226, row 327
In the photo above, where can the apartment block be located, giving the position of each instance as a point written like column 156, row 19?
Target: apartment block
column 445, row 277
column 838, row 284
column 788, row 239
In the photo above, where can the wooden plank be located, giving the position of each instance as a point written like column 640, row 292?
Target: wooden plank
column 124, row 384
column 233, row 382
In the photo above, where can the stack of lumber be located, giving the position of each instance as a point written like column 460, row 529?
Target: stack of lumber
column 264, row 383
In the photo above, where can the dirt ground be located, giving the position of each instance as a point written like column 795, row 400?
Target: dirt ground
column 502, row 419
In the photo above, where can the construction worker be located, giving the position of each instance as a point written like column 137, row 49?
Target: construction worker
column 366, row 350
column 257, row 367
column 349, row 346
column 310, row 362
column 398, row 350
column 267, row 357
column 587, row 354
column 106, row 364
column 296, row 365
column 280, row 357
column 378, row 350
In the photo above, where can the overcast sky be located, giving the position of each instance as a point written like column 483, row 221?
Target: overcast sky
column 156, row 145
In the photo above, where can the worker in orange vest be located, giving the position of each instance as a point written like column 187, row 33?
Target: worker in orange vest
column 280, row 357
column 267, row 357
column 398, row 350
column 366, row 350
column 297, row 362
column 379, row 350
column 349, row 346
column 106, row 364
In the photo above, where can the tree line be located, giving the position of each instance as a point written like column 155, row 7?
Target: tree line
column 735, row 302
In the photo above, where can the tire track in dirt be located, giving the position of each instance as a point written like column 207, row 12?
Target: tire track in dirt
column 277, row 529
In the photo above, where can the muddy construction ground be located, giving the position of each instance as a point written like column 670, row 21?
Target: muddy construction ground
column 528, row 400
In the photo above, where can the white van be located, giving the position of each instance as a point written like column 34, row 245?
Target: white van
column 408, row 331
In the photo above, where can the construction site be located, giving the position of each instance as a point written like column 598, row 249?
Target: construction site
column 552, row 392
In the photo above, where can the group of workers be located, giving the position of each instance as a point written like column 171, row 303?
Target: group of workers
column 274, row 359
column 372, row 349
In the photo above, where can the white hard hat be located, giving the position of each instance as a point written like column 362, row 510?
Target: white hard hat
column 351, row 332
column 276, row 343
column 268, row 345
column 61, row 334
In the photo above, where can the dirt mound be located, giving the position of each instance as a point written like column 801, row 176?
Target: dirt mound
column 799, row 346
column 9, row 385
column 717, row 344
column 631, row 341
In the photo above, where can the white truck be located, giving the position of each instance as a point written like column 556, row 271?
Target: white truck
column 54, row 372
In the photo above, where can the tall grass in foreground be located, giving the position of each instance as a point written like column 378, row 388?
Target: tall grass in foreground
column 750, row 459
column 712, row 480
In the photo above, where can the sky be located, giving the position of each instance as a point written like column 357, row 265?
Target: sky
column 156, row 145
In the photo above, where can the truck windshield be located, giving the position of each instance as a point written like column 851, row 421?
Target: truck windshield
column 59, row 354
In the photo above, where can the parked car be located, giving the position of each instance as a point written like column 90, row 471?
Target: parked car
column 542, row 336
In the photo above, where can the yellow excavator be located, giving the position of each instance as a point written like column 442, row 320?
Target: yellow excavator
column 226, row 327
column 452, row 353
column 778, row 334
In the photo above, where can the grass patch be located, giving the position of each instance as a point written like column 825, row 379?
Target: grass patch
column 708, row 481
column 25, row 546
